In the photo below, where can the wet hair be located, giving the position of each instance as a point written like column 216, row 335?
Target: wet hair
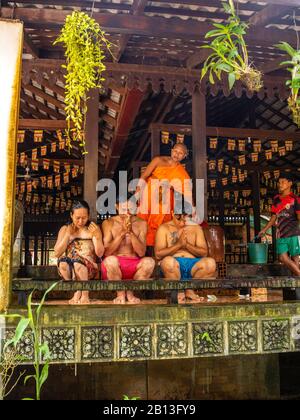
column 288, row 176
column 80, row 204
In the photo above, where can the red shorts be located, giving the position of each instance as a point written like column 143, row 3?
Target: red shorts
column 128, row 267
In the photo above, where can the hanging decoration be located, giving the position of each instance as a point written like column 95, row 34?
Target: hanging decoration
column 293, row 66
column 84, row 42
column 242, row 145
column 180, row 138
column 20, row 136
column 213, row 142
column 38, row 136
column 231, row 144
column 257, row 146
column 230, row 53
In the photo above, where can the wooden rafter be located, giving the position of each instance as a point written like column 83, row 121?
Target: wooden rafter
column 269, row 13
column 42, row 107
column 230, row 132
column 45, row 96
column 144, row 25
column 31, row 124
column 30, row 47
column 130, row 108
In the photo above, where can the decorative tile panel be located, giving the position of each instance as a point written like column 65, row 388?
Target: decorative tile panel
column 295, row 333
column 97, row 342
column 135, row 341
column 61, row 342
column 208, row 338
column 242, row 336
column 172, row 340
column 276, row 335
column 25, row 347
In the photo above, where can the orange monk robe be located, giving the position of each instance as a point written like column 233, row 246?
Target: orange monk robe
column 162, row 173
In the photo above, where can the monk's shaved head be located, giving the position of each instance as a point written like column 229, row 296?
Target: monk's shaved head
column 182, row 146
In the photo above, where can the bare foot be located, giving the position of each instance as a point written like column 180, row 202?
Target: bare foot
column 181, row 297
column 84, row 301
column 193, row 297
column 75, row 299
column 121, row 298
column 132, row 299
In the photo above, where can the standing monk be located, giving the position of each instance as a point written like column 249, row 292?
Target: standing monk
column 168, row 169
column 125, row 248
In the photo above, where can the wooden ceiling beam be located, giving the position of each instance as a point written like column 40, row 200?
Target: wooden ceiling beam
column 197, row 58
column 76, row 3
column 30, row 47
column 144, row 25
column 230, row 132
column 268, row 14
column 137, row 9
column 42, row 124
column 131, row 105
column 45, row 96
column 42, row 107
column 273, row 65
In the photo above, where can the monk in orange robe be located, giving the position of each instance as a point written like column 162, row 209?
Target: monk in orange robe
column 163, row 169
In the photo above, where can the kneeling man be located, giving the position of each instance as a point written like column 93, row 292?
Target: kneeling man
column 124, row 238
column 182, row 249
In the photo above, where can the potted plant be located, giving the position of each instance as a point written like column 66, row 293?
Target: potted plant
column 85, row 44
column 230, row 54
column 294, row 83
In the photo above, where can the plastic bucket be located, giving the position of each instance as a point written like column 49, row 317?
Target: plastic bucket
column 258, row 253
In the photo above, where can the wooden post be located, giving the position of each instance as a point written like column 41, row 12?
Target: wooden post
column 91, row 158
column 199, row 141
column 27, row 256
column 11, row 45
column 43, row 250
column 221, row 207
column 155, row 143
column 274, row 243
column 256, row 198
column 35, row 250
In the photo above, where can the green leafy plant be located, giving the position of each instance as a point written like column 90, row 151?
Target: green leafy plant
column 293, row 66
column 41, row 350
column 125, row 397
column 9, row 361
column 84, row 43
column 230, row 54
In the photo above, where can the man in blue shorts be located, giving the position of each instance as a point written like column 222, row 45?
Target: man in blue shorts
column 181, row 247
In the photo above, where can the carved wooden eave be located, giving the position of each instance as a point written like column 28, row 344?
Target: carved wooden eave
column 170, row 79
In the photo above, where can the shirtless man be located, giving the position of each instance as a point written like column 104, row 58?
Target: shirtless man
column 125, row 248
column 182, row 249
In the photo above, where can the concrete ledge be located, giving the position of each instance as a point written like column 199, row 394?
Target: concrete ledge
column 81, row 334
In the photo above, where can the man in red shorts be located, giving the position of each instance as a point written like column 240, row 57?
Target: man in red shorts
column 124, row 238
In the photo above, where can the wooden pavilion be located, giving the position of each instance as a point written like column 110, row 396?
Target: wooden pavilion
column 238, row 142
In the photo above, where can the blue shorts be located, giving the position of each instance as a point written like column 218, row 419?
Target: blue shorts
column 186, row 265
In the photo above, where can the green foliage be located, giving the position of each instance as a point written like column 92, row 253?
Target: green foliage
column 230, row 54
column 293, row 66
column 84, row 43
column 125, row 397
column 41, row 350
